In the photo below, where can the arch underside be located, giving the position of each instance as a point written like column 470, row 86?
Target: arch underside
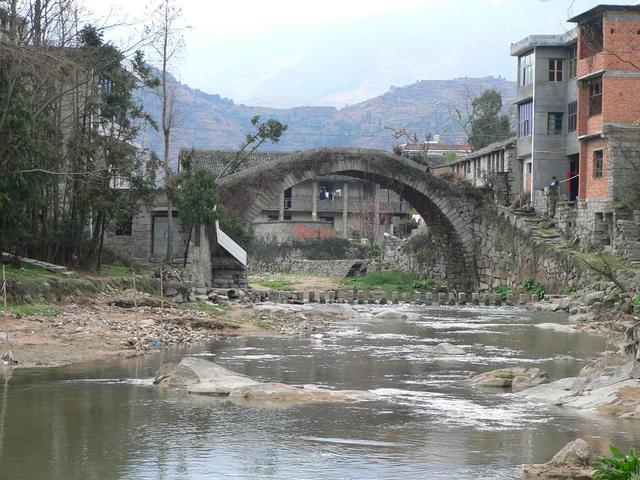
column 446, row 216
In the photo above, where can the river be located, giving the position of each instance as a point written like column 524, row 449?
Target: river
column 106, row 421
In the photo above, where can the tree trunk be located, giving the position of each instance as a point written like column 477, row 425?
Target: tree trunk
column 186, row 249
column 103, row 227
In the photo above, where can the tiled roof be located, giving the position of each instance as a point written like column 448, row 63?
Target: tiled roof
column 436, row 147
column 216, row 159
column 494, row 147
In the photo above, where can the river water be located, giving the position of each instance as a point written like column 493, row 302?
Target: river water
column 106, row 420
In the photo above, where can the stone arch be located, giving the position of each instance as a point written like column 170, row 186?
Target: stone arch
column 444, row 205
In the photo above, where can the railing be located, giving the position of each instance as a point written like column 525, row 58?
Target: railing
column 305, row 203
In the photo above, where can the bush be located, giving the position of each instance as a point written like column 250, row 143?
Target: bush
column 404, row 228
column 571, row 289
column 534, row 287
column 323, row 248
column 502, row 291
column 636, row 303
column 619, row 466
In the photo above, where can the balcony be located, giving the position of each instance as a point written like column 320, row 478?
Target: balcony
column 354, row 205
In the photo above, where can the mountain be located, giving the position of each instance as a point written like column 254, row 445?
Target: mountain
column 209, row 121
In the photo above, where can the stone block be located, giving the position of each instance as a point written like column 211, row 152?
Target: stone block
column 442, row 298
column 462, row 298
column 452, row 298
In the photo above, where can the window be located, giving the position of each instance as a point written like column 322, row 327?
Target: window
column 555, row 123
column 288, row 193
column 327, row 219
column 595, row 97
column 555, row 69
column 572, row 120
column 106, row 85
column 598, row 162
column 524, row 119
column 124, row 227
column 526, row 69
column 573, row 61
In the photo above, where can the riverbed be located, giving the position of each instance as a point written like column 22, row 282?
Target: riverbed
column 107, row 421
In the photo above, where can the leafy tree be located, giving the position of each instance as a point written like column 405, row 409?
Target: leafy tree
column 268, row 131
column 487, row 124
column 196, row 199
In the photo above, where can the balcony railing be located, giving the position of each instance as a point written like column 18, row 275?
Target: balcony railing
column 336, row 205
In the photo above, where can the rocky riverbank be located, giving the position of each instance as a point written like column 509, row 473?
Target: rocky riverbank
column 127, row 323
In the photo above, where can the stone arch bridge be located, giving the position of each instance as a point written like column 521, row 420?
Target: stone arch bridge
column 447, row 208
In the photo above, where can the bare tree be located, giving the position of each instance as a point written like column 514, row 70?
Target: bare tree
column 413, row 137
column 166, row 44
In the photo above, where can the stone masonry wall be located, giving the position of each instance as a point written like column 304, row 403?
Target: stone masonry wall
column 508, row 254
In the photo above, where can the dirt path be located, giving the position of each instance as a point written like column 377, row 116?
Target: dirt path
column 299, row 282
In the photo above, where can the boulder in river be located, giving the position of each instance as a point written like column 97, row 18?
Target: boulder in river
column 296, row 394
column 447, row 348
column 201, row 376
column 570, row 463
column 517, row 379
column 604, row 386
column 206, row 378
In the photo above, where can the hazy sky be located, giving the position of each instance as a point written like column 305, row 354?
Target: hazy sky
column 344, row 51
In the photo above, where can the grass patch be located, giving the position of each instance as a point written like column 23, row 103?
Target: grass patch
column 116, row 271
column 505, row 374
column 393, row 281
column 274, row 284
column 33, row 309
column 28, row 273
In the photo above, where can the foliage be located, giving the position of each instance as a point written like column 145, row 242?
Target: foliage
column 404, row 228
column 487, row 124
column 232, row 226
column 267, row 131
column 571, row 289
column 276, row 283
column 364, row 251
column 618, row 466
column 451, row 157
column 393, row 281
column 502, row 291
column 196, row 199
column 636, row 303
column 68, row 119
column 533, row 286
column 33, row 309
column 605, row 264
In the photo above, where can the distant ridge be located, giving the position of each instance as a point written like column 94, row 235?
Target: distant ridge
column 210, row 121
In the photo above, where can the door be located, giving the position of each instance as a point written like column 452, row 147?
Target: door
column 159, row 240
column 575, row 179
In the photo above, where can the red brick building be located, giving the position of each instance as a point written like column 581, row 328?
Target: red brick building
column 608, row 76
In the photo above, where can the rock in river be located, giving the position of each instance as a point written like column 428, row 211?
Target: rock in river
column 206, row 378
column 517, row 379
column 570, row 463
column 201, row 376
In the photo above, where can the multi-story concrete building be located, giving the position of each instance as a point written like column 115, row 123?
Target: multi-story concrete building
column 547, row 111
column 329, row 206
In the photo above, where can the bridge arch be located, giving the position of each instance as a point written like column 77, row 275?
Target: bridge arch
column 445, row 206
